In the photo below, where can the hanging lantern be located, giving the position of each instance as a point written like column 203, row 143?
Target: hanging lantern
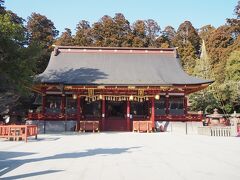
column 74, row 96
column 157, row 97
column 131, row 98
column 100, row 97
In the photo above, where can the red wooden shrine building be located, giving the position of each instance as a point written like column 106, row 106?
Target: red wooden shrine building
column 113, row 88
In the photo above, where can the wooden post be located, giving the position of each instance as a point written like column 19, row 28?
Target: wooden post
column 103, row 113
column 128, row 116
column 78, row 113
column 153, row 113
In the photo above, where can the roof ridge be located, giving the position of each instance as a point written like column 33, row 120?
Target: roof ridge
column 133, row 50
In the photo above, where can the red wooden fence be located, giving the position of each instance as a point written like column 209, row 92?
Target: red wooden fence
column 18, row 132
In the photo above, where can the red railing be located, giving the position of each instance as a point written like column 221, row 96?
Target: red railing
column 18, row 132
column 40, row 116
column 188, row 117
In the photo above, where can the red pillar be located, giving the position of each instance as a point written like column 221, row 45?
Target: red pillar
column 44, row 111
column 103, row 113
column 78, row 112
column 185, row 105
column 128, row 116
column 63, row 104
column 153, row 113
column 43, row 103
column 167, row 104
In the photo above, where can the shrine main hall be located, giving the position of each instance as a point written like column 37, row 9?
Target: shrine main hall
column 112, row 89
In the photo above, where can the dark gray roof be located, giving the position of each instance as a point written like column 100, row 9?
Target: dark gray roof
column 98, row 68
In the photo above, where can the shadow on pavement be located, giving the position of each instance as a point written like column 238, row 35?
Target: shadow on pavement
column 30, row 174
column 8, row 163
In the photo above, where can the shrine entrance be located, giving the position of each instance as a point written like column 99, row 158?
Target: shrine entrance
column 116, row 119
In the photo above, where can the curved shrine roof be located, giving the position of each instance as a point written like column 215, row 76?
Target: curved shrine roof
column 116, row 66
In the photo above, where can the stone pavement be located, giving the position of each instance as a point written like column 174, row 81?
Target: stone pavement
column 121, row 156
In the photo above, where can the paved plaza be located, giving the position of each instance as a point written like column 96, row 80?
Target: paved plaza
column 121, row 156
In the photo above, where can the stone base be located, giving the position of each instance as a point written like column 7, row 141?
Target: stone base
column 53, row 126
column 190, row 127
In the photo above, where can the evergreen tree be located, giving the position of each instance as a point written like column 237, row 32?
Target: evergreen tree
column 17, row 60
column 139, row 34
column 83, row 34
column 206, row 31
column 188, row 42
column 152, row 31
column 162, row 42
column 2, row 8
column 204, row 100
column 42, row 34
column 123, row 30
column 41, row 30
column 65, row 39
column 237, row 10
column 169, row 34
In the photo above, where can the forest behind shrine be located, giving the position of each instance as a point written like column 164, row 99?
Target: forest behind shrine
column 208, row 52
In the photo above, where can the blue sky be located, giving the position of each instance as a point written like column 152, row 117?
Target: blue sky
column 67, row 13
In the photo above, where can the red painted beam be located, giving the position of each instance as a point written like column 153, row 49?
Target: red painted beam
column 128, row 116
column 153, row 113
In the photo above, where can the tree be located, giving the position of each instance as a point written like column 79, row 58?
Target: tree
column 104, row 33
column 112, row 32
column 42, row 33
column 139, row 34
column 2, row 8
column 206, row 31
column 123, row 30
column 41, row 30
column 231, row 86
column 204, row 100
column 237, row 10
column 162, row 42
column 169, row 33
column 152, row 31
column 83, row 34
column 17, row 61
column 65, row 39
column 188, row 42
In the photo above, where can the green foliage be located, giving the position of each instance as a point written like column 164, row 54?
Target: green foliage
column 65, row 39
column 188, row 42
column 233, row 67
column 169, row 33
column 16, row 60
column 25, row 51
column 152, row 31
column 83, row 35
column 42, row 34
column 41, row 30
column 205, row 32
column 204, row 101
column 112, row 32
